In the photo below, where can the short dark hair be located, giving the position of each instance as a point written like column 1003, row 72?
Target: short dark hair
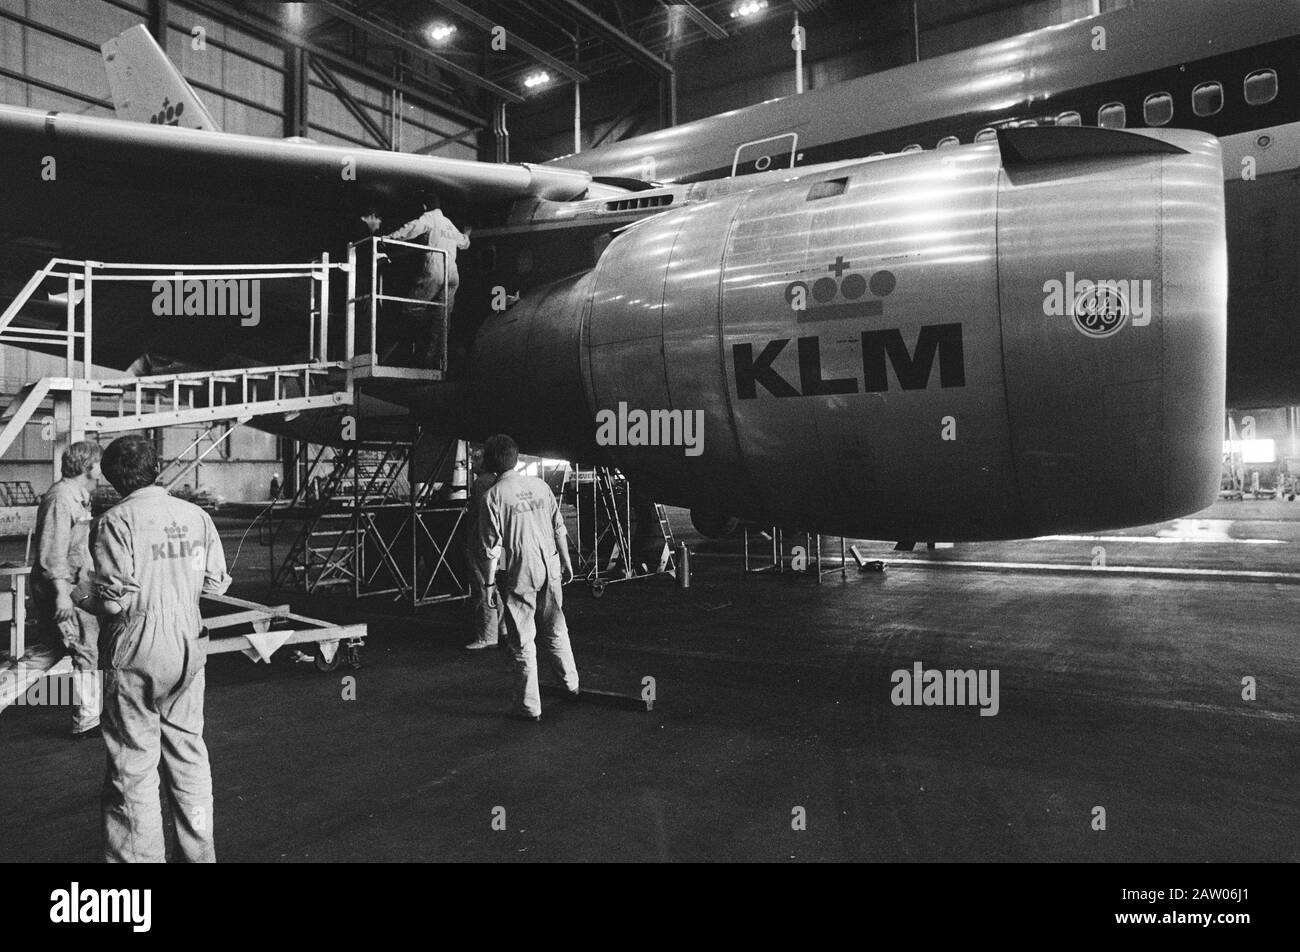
column 430, row 200
column 130, row 463
column 500, row 453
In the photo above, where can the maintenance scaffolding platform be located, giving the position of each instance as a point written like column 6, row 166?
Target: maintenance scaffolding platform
column 340, row 372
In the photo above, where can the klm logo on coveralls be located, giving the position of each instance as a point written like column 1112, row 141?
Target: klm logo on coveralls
column 76, row 905
column 176, row 546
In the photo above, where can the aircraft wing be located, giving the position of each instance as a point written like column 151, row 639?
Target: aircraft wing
column 104, row 152
column 110, row 190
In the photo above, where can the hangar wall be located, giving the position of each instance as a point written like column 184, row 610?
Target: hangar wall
column 50, row 59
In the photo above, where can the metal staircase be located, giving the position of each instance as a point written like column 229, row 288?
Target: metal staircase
column 366, row 524
column 138, row 403
column 82, row 403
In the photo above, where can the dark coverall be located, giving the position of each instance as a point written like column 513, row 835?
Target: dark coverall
column 154, row 555
column 520, row 523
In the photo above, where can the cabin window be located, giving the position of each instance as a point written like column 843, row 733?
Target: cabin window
column 1261, row 87
column 1026, row 124
column 875, row 155
column 1158, row 109
column 947, row 142
column 986, row 135
column 1070, row 118
column 914, row 147
column 1112, row 116
column 1207, row 99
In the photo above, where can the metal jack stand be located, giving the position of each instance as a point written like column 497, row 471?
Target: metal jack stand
column 776, row 565
column 812, row 546
column 816, row 540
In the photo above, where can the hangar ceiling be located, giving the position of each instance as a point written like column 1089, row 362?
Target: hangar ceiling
column 640, row 64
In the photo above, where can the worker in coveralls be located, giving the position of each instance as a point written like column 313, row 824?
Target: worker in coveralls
column 154, row 555
column 522, row 535
column 485, row 600
column 61, row 590
column 423, row 324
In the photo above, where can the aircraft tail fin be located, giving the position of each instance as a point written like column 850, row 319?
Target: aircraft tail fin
column 147, row 86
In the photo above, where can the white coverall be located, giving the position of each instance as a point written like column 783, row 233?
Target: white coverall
column 154, row 555
column 520, row 531
column 437, row 229
column 63, row 554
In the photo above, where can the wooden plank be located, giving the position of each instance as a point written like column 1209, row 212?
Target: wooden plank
column 340, row 633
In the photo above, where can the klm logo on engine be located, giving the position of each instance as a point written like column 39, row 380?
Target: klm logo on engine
column 841, row 296
column 882, row 350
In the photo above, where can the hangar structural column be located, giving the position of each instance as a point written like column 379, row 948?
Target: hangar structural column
column 295, row 91
column 158, row 21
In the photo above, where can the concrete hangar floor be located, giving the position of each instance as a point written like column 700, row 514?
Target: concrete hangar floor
column 1117, row 690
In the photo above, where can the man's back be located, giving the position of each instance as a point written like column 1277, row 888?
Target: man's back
column 523, row 517
column 62, row 535
column 443, row 234
column 164, row 551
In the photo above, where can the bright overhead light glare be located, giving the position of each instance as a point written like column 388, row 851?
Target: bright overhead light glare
column 749, row 8
column 537, row 79
column 440, row 31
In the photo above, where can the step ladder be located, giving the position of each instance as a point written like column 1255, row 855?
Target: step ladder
column 329, row 550
column 611, row 526
column 669, row 553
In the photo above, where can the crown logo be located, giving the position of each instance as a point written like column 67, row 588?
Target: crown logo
column 169, row 115
column 176, row 531
column 818, row 302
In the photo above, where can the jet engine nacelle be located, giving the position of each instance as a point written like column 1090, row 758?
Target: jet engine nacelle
column 993, row 341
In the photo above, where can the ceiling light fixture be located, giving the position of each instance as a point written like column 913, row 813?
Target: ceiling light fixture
column 749, row 8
